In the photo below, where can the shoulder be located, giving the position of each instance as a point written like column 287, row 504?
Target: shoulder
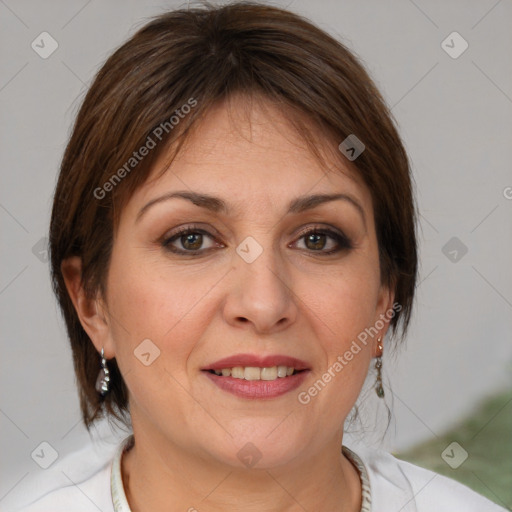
column 400, row 485
column 89, row 495
column 80, row 481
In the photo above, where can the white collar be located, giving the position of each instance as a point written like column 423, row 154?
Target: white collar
column 121, row 503
column 116, row 480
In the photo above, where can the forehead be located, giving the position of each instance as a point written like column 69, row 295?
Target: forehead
column 251, row 153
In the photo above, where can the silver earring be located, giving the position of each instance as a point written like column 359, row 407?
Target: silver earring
column 103, row 379
column 378, row 366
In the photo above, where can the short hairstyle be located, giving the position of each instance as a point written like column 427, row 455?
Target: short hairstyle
column 158, row 85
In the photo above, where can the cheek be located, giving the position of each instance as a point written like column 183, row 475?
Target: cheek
column 342, row 314
column 345, row 301
column 149, row 302
column 344, row 311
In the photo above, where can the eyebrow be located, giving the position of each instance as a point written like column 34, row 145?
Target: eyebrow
column 215, row 204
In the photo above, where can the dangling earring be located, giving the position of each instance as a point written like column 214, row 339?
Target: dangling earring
column 378, row 366
column 103, row 379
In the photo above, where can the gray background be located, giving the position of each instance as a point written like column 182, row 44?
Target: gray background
column 454, row 115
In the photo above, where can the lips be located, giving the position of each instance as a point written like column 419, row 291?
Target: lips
column 257, row 377
column 258, row 389
column 245, row 360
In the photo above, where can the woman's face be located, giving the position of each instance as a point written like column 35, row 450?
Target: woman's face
column 251, row 280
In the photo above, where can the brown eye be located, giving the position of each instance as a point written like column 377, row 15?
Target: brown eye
column 315, row 241
column 323, row 241
column 192, row 241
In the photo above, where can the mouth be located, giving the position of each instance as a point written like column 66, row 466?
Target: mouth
column 256, row 373
column 256, row 377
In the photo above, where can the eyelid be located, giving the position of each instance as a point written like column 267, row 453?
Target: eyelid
column 319, row 227
column 195, row 227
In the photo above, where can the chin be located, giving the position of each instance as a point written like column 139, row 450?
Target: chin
column 261, row 446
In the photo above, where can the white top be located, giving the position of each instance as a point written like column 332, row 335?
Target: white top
column 388, row 484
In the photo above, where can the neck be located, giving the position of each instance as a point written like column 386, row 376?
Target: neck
column 155, row 477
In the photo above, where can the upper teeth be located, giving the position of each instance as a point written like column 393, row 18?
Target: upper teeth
column 255, row 373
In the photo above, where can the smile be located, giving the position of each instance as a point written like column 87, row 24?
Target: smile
column 258, row 388
column 255, row 373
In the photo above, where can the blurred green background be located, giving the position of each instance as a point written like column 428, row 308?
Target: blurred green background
column 487, row 437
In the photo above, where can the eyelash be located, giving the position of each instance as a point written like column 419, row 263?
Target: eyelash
column 343, row 243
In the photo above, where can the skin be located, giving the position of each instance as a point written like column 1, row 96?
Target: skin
column 197, row 309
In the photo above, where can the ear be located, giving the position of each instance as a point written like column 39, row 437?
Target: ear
column 91, row 312
column 384, row 312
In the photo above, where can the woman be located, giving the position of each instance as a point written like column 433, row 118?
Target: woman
column 233, row 232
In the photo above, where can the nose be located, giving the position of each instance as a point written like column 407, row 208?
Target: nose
column 260, row 295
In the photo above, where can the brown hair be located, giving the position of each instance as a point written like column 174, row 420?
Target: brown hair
column 205, row 55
